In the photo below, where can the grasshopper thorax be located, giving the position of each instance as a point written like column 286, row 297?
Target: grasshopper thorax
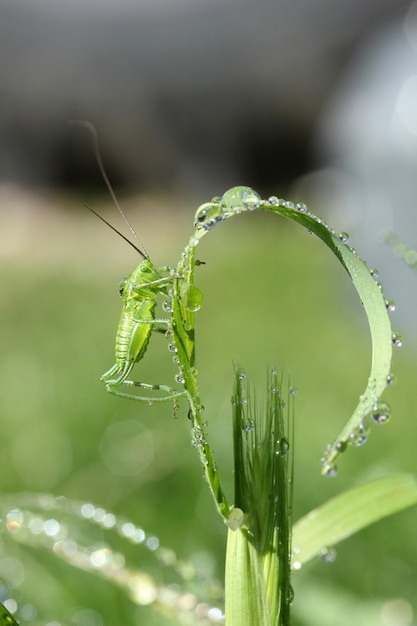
column 144, row 282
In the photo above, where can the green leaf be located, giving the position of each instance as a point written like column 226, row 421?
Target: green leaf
column 246, row 601
column 242, row 199
column 344, row 515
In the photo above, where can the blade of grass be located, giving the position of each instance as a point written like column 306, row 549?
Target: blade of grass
column 345, row 514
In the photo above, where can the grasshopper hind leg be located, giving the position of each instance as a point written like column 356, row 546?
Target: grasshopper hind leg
column 114, row 383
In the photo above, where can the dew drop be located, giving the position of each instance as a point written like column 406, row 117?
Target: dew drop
column 344, row 237
column 283, row 447
column 301, row 207
column 330, row 471
column 273, row 200
column 235, row 519
column 208, row 214
column 293, row 391
column 397, row 340
column 390, row 304
column 172, row 347
column 381, row 413
column 289, row 205
column 359, row 436
column 374, row 273
column 341, row 446
column 166, row 305
column 328, row 555
column 180, row 379
column 391, row 380
column 175, row 359
column 194, row 298
column 241, row 198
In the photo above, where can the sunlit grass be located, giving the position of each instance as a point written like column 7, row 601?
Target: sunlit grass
column 59, row 313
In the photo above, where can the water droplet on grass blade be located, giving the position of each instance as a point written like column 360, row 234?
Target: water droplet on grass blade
column 180, row 379
column 241, row 198
column 301, row 207
column 390, row 304
column 359, row 436
column 341, row 446
column 328, row 555
column 194, row 298
column 381, row 413
column 397, row 340
column 344, row 237
column 391, row 380
column 330, row 471
column 283, row 447
column 208, row 214
column 235, row 519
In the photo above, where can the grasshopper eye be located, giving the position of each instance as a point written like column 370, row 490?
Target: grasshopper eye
column 122, row 286
column 208, row 214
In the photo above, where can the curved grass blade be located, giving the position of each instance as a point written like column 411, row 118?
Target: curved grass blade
column 187, row 299
column 345, row 514
column 6, row 619
column 243, row 199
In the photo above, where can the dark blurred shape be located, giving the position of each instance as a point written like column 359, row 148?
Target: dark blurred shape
column 184, row 95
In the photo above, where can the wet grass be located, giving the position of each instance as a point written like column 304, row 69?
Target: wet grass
column 272, row 295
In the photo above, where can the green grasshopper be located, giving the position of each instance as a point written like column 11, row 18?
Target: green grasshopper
column 139, row 293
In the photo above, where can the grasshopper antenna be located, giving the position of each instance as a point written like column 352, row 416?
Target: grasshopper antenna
column 115, row 230
column 139, row 248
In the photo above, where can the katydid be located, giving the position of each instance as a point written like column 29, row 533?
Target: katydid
column 139, row 293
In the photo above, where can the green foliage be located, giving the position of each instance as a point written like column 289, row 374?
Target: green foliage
column 80, row 444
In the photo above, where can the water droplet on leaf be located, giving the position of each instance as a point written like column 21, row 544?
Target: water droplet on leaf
column 397, row 340
column 328, row 555
column 194, row 298
column 359, row 436
column 241, row 198
column 208, row 214
column 235, row 519
column 381, row 413
column 344, row 237
column 283, row 447
column 330, row 471
column 301, row 207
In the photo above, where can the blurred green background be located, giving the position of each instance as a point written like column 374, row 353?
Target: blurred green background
column 273, row 294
